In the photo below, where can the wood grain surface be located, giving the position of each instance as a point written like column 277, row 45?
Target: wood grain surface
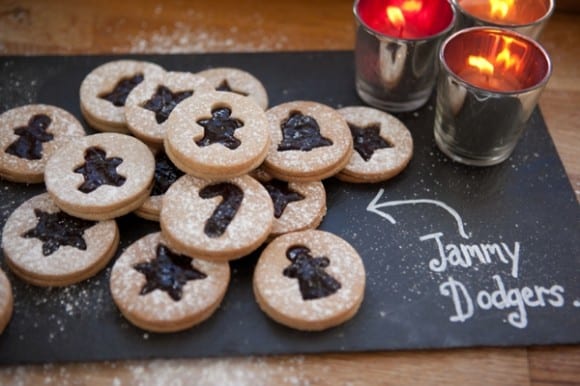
column 70, row 27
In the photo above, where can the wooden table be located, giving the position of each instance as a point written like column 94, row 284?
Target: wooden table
column 98, row 27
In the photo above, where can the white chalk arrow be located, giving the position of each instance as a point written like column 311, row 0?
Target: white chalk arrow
column 375, row 207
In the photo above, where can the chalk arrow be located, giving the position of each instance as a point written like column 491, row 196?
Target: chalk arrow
column 375, row 207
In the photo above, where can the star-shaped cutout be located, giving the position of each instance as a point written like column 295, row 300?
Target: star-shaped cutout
column 99, row 170
column 58, row 229
column 164, row 101
column 166, row 173
column 168, row 272
column 225, row 86
column 220, row 128
column 301, row 132
column 314, row 282
column 281, row 195
column 367, row 140
column 119, row 94
column 31, row 137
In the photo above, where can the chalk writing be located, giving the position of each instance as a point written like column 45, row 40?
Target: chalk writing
column 466, row 255
column 513, row 300
column 374, row 207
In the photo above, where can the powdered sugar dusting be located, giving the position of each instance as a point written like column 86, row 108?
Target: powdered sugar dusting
column 250, row 371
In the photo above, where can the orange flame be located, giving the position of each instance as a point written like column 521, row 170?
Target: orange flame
column 395, row 16
column 481, row 63
column 504, row 59
column 500, row 8
column 412, row 5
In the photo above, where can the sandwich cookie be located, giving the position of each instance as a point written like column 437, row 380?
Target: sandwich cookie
column 6, row 301
column 383, row 145
column 100, row 176
column 104, row 91
column 297, row 205
column 237, row 81
column 47, row 247
column 218, row 135
column 166, row 173
column 159, row 290
column 150, row 103
column 310, row 280
column 29, row 135
column 217, row 221
column 310, row 142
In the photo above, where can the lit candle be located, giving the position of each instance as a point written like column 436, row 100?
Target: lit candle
column 489, row 85
column 524, row 16
column 396, row 47
column 407, row 19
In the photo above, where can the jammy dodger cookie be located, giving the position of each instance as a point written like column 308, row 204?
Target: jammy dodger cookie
column 100, row 176
column 6, row 301
column 149, row 104
column 310, row 280
column 217, row 135
column 29, row 135
column 383, row 145
column 310, row 142
column 47, row 247
column 104, row 91
column 160, row 290
column 237, row 81
column 297, row 205
column 166, row 173
column 216, row 221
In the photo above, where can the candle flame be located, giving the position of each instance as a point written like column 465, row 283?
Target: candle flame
column 395, row 16
column 481, row 63
column 506, row 57
column 504, row 60
column 412, row 5
column 500, row 8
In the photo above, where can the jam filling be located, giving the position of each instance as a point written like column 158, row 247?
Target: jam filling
column 367, row 140
column 225, row 86
column 122, row 89
column 281, row 195
column 99, row 170
column 225, row 212
column 168, row 272
column 301, row 132
column 31, row 137
column 313, row 281
column 58, row 229
column 164, row 101
column 220, row 129
column 166, row 173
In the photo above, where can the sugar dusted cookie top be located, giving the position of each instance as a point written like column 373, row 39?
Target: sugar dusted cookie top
column 383, row 145
column 217, row 220
column 100, row 176
column 104, row 91
column 310, row 280
column 160, row 290
column 29, row 135
column 47, row 247
column 217, row 135
column 310, row 141
column 237, row 81
column 150, row 103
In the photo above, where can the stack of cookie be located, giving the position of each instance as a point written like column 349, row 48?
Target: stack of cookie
column 201, row 154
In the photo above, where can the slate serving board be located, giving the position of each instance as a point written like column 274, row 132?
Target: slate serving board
column 439, row 242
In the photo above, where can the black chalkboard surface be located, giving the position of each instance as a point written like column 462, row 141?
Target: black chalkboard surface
column 455, row 256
